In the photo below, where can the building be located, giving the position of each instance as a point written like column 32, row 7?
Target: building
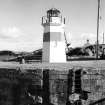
column 53, row 38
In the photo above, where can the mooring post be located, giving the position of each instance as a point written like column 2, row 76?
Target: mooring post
column 46, row 90
column 69, row 85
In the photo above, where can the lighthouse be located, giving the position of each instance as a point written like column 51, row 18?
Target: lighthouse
column 53, row 37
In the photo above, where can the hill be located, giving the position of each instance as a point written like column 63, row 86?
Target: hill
column 16, row 56
column 6, row 54
column 87, row 52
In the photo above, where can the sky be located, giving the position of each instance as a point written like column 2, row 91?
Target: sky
column 20, row 22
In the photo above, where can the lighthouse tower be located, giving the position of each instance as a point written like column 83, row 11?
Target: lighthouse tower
column 53, row 37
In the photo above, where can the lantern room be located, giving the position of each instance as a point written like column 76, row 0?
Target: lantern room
column 53, row 13
column 53, row 16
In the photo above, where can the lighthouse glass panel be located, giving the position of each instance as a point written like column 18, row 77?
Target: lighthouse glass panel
column 55, row 20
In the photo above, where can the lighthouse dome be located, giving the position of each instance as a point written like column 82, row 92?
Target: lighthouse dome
column 53, row 12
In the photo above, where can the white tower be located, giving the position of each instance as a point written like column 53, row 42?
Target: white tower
column 53, row 37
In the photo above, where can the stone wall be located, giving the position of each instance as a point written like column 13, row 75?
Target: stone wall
column 50, row 86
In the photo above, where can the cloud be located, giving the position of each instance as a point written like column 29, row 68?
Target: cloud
column 12, row 38
column 79, row 39
column 90, row 36
column 19, row 46
column 10, row 32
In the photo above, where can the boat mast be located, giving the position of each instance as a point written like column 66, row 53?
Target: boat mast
column 97, row 44
column 103, row 38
